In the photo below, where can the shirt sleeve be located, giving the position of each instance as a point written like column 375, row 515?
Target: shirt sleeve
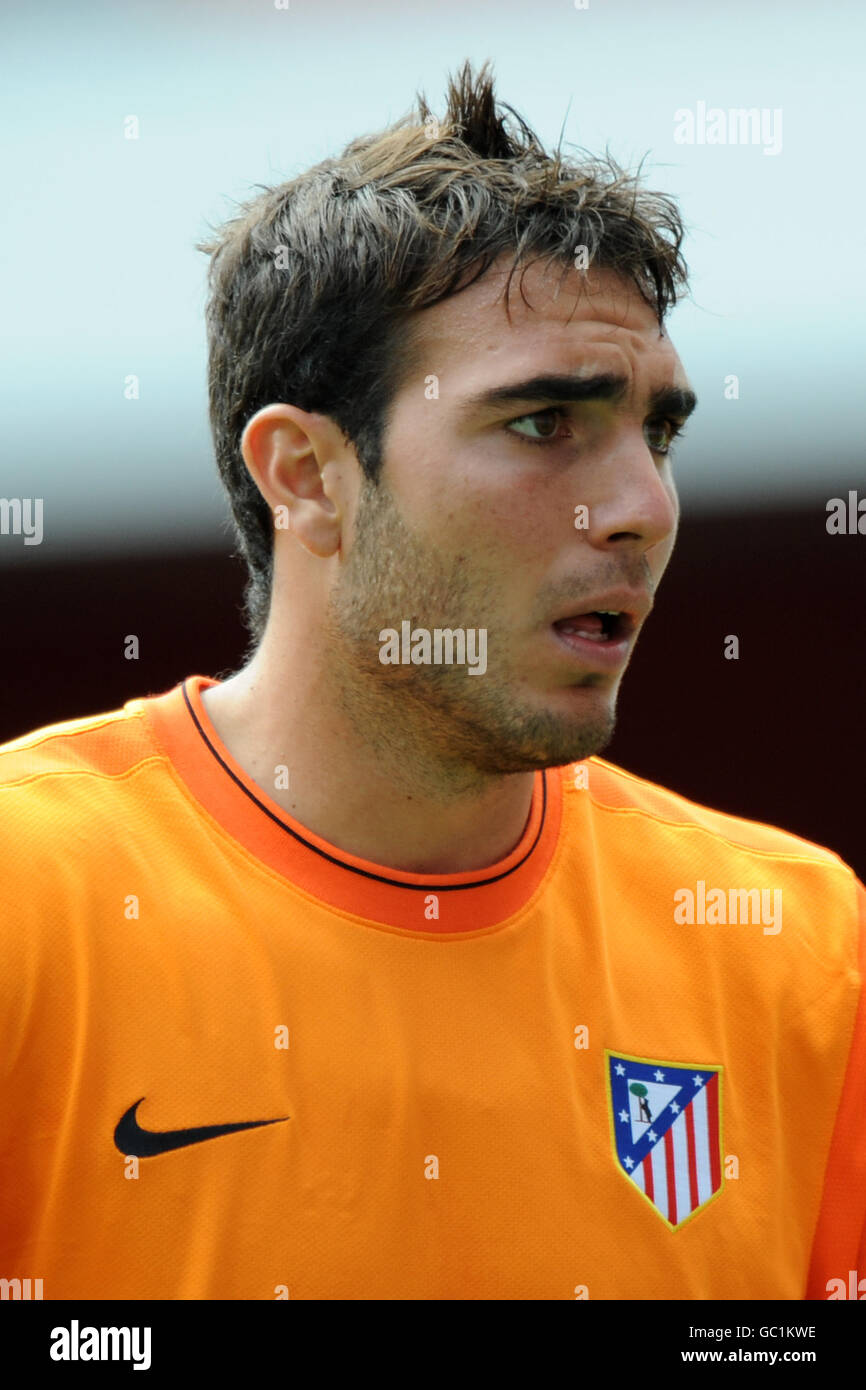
column 839, row 1246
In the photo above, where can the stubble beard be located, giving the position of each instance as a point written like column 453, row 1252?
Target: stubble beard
column 464, row 728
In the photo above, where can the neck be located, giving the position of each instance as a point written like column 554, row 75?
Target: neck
column 370, row 782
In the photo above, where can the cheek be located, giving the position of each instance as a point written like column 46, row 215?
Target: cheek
column 480, row 501
column 659, row 555
column 491, row 516
column 525, row 510
column 665, row 547
column 510, row 534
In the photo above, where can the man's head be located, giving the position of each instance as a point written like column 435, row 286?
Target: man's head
column 365, row 323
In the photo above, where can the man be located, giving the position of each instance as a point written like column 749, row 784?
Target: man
column 359, row 974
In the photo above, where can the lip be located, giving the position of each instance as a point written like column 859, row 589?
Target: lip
column 635, row 603
column 607, row 656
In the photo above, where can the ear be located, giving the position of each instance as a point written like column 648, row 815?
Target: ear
column 291, row 456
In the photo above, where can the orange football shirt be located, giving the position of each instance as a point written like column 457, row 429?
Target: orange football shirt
column 240, row 1063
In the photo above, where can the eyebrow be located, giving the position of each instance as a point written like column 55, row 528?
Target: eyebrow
column 670, row 400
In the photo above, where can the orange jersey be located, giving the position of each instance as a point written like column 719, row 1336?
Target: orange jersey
column 628, row 1061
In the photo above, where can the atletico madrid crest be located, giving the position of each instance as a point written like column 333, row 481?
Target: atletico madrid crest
column 666, row 1121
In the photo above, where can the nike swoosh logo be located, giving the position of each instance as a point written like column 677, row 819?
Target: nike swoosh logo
column 136, row 1142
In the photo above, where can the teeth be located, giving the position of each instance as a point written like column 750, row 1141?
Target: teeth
column 609, row 612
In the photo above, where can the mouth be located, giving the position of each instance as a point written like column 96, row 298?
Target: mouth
column 600, row 626
column 600, row 638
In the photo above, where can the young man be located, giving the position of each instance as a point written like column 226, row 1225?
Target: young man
column 359, row 974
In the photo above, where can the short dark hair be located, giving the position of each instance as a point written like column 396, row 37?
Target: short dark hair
column 313, row 284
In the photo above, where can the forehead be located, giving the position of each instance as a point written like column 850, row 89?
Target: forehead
column 562, row 319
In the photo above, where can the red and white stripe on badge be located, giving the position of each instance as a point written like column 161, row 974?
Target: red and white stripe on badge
column 682, row 1171
column 666, row 1120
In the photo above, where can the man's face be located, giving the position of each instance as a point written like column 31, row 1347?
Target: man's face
column 474, row 522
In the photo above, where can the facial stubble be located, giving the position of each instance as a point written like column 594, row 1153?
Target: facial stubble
column 438, row 722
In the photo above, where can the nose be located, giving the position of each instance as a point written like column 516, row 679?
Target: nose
column 635, row 501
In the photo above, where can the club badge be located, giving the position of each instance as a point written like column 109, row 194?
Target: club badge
column 666, row 1123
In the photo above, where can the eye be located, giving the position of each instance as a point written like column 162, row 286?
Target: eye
column 669, row 431
column 659, row 434
column 539, row 418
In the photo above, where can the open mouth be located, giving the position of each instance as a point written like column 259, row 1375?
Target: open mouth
column 598, row 626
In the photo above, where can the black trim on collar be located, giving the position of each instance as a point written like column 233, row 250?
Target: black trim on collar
column 352, row 868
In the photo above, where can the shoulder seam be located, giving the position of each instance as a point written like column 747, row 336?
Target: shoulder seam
column 806, row 858
column 809, row 845
column 41, row 739
column 31, row 778
column 63, row 730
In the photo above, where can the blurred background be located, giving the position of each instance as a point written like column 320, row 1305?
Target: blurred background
column 102, row 284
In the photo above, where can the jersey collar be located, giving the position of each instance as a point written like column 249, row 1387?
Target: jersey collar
column 466, row 902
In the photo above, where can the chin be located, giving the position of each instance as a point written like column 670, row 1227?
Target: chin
column 550, row 741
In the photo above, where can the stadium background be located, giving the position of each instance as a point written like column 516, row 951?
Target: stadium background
column 101, row 282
